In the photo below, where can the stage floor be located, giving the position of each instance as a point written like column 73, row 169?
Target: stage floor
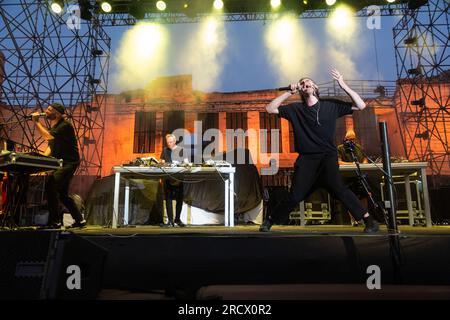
column 253, row 230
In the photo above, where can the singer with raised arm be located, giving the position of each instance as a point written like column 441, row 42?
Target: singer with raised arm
column 314, row 123
column 62, row 144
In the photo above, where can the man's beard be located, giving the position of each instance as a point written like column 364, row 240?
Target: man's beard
column 51, row 117
column 306, row 94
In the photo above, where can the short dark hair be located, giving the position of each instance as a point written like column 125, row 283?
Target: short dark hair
column 58, row 107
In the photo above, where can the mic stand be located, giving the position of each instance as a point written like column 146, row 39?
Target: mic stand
column 363, row 181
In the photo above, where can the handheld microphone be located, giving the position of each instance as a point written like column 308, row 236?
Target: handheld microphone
column 288, row 88
column 42, row 114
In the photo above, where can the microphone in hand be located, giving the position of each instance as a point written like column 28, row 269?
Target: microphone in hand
column 291, row 88
column 42, row 114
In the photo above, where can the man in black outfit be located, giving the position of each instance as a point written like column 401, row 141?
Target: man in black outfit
column 314, row 125
column 173, row 189
column 62, row 144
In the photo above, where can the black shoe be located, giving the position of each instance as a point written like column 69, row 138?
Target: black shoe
column 371, row 225
column 169, row 224
column 180, row 223
column 266, row 225
column 77, row 224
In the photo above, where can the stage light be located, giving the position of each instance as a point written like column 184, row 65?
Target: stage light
column 420, row 102
column 87, row 141
column 410, row 41
column 415, row 71
column 85, row 9
column 390, row 1
column 330, row 2
column 275, row 3
column 161, row 5
column 94, row 81
column 185, row 5
column 96, row 52
column 91, row 109
column 423, row 135
column 106, row 6
column 57, row 6
column 218, row 4
column 305, row 2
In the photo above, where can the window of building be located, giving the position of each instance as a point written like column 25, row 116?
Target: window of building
column 210, row 120
column 235, row 121
column 172, row 120
column 270, row 121
column 144, row 132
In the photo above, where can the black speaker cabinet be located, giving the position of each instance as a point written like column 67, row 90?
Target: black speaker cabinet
column 49, row 265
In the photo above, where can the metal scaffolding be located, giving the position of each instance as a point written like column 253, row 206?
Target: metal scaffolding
column 53, row 58
column 421, row 42
column 365, row 9
column 64, row 58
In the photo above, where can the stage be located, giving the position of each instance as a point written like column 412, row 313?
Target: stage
column 252, row 229
column 217, row 262
column 183, row 260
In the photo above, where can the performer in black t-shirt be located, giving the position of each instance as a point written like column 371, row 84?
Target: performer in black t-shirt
column 62, row 144
column 173, row 189
column 314, row 125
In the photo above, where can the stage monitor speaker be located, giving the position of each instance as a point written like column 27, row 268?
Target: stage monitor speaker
column 49, row 265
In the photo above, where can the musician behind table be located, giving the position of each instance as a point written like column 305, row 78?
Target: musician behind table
column 173, row 189
column 349, row 144
column 62, row 144
column 345, row 156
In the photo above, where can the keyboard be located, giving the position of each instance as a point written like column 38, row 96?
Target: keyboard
column 27, row 163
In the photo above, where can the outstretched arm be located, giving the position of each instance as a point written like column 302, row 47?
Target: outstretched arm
column 273, row 106
column 359, row 104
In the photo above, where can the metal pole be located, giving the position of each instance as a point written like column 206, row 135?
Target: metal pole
column 390, row 201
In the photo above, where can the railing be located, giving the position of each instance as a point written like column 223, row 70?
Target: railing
column 365, row 88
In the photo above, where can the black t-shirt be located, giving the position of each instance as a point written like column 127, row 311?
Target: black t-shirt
column 64, row 145
column 315, row 126
column 168, row 155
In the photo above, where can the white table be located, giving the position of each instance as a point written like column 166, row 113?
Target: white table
column 183, row 173
column 404, row 169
